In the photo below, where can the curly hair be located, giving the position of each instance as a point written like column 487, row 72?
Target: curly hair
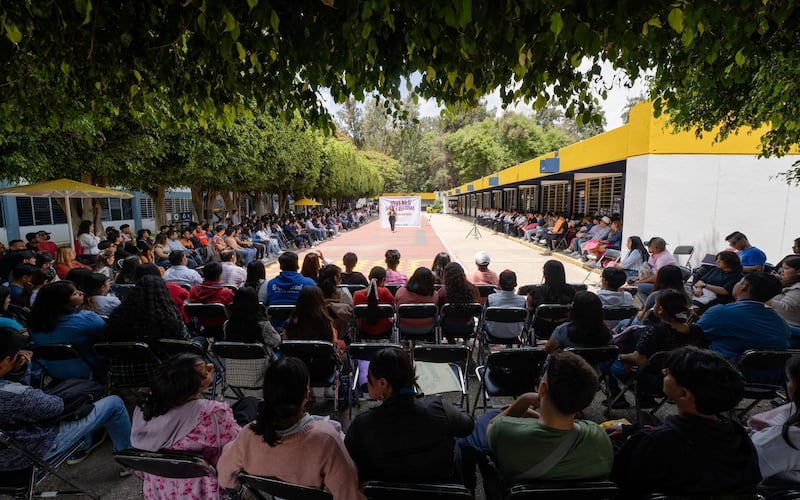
column 458, row 289
column 148, row 313
column 172, row 384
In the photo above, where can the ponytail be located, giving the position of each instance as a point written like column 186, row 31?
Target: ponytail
column 285, row 386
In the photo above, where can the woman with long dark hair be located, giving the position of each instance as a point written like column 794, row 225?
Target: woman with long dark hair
column 667, row 278
column 310, row 319
column 554, row 288
column 715, row 285
column 287, row 443
column 457, row 290
column 56, row 318
column 338, row 300
column 375, row 294
column 416, row 435
column 248, row 324
column 87, row 239
column 437, row 268
column 174, row 415
column 418, row 290
column 147, row 314
column 311, row 266
column 256, row 275
column 97, row 286
column 585, row 327
column 777, row 437
column 632, row 261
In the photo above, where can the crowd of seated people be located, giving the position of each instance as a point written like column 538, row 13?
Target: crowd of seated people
column 418, row 435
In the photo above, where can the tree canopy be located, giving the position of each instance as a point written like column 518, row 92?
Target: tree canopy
column 730, row 63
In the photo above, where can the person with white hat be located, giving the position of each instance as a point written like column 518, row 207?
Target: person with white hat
column 483, row 276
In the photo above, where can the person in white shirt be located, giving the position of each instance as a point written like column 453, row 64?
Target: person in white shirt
column 179, row 273
column 232, row 275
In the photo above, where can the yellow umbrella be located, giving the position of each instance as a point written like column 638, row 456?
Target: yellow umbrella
column 67, row 189
column 305, row 202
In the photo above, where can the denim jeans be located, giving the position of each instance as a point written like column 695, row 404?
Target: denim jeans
column 471, row 450
column 110, row 413
column 247, row 255
column 645, row 289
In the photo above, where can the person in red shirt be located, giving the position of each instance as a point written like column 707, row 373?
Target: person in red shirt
column 45, row 244
column 211, row 291
column 375, row 294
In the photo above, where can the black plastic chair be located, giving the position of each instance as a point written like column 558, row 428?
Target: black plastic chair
column 417, row 311
column 453, row 315
column 55, row 353
column 393, row 288
column 352, row 288
column 275, row 488
column 761, row 370
column 683, row 251
column 618, row 313
column 120, row 290
column 513, row 318
column 279, row 314
column 360, row 313
column 597, row 356
column 320, row 359
column 485, row 290
column 166, row 463
column 715, row 496
column 547, row 317
column 235, row 379
column 22, row 483
column 563, row 490
column 509, row 372
column 457, row 356
column 123, row 353
column 652, row 369
column 579, row 287
column 362, row 351
column 210, row 316
column 382, row 490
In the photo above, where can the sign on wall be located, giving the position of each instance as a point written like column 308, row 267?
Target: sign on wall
column 408, row 209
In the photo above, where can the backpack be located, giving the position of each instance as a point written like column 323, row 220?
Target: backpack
column 79, row 396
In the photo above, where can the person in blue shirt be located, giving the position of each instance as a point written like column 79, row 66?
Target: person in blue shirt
column 286, row 286
column 753, row 259
column 56, row 318
column 747, row 323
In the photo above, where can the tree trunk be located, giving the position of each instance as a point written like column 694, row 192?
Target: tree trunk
column 159, row 196
column 210, row 198
column 197, row 203
column 282, row 202
column 227, row 200
column 258, row 198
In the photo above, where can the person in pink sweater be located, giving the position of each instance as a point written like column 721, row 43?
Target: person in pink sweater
column 287, row 443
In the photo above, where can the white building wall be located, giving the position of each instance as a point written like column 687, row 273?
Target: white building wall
column 699, row 199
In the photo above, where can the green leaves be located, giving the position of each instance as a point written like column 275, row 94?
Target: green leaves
column 675, row 20
column 556, row 24
column 12, row 33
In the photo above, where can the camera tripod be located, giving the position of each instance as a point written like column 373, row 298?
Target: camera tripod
column 474, row 232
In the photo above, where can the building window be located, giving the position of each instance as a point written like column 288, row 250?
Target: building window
column 510, row 198
column 527, row 198
column 178, row 205
column 599, row 195
column 497, row 199
column 39, row 212
column 555, row 197
column 147, row 208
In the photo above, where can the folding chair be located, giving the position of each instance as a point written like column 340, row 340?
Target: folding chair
column 166, row 463
column 353, row 288
column 211, row 317
column 362, row 352
column 579, row 287
column 360, row 313
column 120, row 290
column 268, row 487
column 547, row 317
column 566, row 490
column 245, row 364
column 279, row 315
column 320, row 359
column 22, row 483
column 509, row 372
column 120, row 354
column 683, row 251
column 53, row 353
column 417, row 312
column 763, row 373
column 172, row 347
column 652, row 370
column 484, row 291
column 598, row 356
column 393, row 288
column 382, row 490
column 502, row 326
column 456, row 356
column 610, row 255
column 614, row 314
column 724, row 496
column 455, row 317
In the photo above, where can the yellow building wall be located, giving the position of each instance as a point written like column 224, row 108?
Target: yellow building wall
column 642, row 135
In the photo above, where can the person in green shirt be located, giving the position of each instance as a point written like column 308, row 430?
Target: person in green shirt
column 538, row 437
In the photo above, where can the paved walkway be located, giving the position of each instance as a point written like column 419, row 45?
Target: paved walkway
column 442, row 233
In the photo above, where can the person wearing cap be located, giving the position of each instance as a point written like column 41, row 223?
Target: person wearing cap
column 659, row 257
column 483, row 276
column 33, row 240
column 44, row 244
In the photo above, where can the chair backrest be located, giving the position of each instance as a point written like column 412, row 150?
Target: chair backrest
column 281, row 489
column 578, row 490
column 442, row 353
column 383, row 311
column 548, row 317
column 206, row 311
column 417, row 311
column 513, row 372
column 610, row 254
column 393, row 288
column 462, row 310
column 319, row 356
column 176, row 346
column 239, row 350
column 125, row 351
column 617, row 313
column 382, row 490
column 59, row 352
column 763, row 367
column 353, row 288
column 505, row 314
column 485, row 290
column 596, row 355
column 683, row 251
column 367, row 351
column 579, row 287
column 120, row 290
column 172, row 464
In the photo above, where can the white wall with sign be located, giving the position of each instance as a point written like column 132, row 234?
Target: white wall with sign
column 408, row 209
